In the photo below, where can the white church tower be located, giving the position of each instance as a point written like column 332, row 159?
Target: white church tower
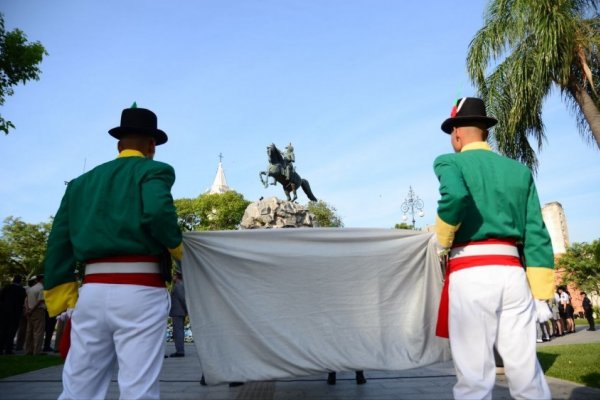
column 556, row 223
column 220, row 183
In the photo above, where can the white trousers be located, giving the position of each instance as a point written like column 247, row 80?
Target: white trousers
column 114, row 322
column 489, row 306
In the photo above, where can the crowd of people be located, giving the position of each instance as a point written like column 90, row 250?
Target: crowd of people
column 26, row 324
column 562, row 319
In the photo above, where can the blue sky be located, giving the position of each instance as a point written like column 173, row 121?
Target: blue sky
column 359, row 87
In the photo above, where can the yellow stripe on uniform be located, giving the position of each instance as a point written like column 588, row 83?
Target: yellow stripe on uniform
column 61, row 297
column 445, row 232
column 541, row 282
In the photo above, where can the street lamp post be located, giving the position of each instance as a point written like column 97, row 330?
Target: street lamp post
column 411, row 205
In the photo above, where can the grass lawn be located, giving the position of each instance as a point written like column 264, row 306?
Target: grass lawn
column 575, row 363
column 14, row 365
column 583, row 321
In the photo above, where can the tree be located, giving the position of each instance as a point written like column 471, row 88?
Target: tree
column 18, row 64
column 219, row 211
column 537, row 45
column 581, row 266
column 325, row 214
column 22, row 247
column 403, row 225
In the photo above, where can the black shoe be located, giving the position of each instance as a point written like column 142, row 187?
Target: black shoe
column 235, row 384
column 589, row 329
column 177, row 355
column 202, row 381
column 360, row 378
column 331, row 378
column 545, row 339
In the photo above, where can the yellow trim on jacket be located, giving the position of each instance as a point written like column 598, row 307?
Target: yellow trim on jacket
column 541, row 282
column 476, row 146
column 445, row 232
column 61, row 297
column 130, row 153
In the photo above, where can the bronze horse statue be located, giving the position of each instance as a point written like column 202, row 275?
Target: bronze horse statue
column 282, row 171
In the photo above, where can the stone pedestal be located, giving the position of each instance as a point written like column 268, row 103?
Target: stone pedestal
column 277, row 213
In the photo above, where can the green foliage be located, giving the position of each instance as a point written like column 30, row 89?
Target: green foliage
column 211, row 212
column 403, row 225
column 575, row 363
column 325, row 214
column 535, row 45
column 581, row 267
column 22, row 248
column 18, row 64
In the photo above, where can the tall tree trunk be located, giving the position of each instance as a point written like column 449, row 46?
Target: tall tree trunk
column 589, row 110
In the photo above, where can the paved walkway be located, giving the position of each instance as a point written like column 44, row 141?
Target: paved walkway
column 180, row 380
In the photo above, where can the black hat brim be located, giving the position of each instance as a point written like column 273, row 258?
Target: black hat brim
column 158, row 135
column 450, row 123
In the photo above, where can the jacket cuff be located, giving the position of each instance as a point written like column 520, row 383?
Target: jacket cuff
column 541, row 282
column 61, row 297
column 177, row 252
column 445, row 232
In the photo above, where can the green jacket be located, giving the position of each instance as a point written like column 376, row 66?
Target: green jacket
column 122, row 207
column 485, row 195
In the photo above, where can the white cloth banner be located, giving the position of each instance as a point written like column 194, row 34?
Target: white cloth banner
column 282, row 303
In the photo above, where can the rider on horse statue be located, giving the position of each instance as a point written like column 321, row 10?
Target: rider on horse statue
column 289, row 159
column 281, row 169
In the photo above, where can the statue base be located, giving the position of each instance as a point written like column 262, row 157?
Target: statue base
column 276, row 213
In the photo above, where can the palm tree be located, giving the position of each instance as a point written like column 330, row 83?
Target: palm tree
column 532, row 46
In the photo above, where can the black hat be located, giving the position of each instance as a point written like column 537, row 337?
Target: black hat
column 466, row 111
column 139, row 120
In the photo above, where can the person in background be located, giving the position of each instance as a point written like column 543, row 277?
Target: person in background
column 488, row 215
column 567, row 310
column 557, row 326
column 119, row 220
column 588, row 311
column 178, row 313
column 359, row 377
column 22, row 332
column 36, row 318
column 544, row 327
column 12, row 298
column 49, row 332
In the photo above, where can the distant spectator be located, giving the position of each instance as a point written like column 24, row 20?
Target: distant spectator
column 36, row 313
column 557, row 326
column 49, row 331
column 544, row 328
column 588, row 311
column 359, row 377
column 12, row 298
column 178, row 313
column 22, row 332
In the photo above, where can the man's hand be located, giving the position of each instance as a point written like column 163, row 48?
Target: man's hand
column 440, row 250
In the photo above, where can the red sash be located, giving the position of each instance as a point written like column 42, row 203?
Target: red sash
column 458, row 263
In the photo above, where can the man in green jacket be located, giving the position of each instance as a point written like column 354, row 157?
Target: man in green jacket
column 500, row 260
column 117, row 219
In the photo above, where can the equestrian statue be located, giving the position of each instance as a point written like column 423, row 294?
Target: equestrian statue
column 281, row 169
